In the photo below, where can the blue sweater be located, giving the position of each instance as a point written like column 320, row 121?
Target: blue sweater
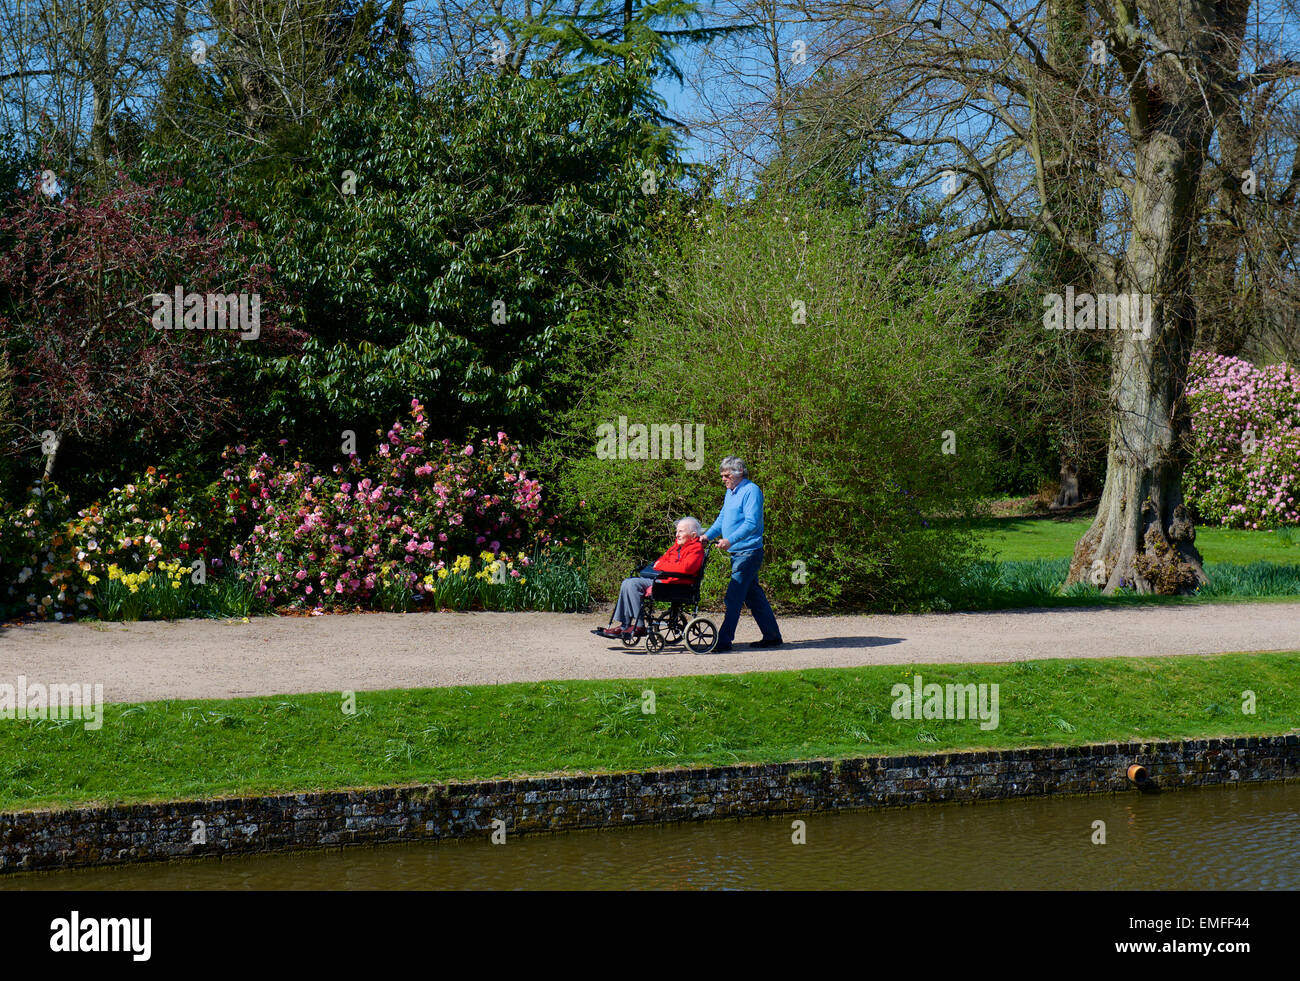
column 741, row 520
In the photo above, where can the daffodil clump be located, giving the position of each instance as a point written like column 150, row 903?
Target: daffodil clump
column 500, row 569
column 166, row 592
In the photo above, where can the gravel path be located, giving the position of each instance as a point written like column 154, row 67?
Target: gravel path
column 280, row 655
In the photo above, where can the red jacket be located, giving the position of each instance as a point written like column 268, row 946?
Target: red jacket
column 688, row 558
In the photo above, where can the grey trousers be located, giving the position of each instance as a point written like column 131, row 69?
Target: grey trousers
column 630, row 596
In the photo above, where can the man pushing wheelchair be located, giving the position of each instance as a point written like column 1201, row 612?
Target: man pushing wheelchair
column 738, row 531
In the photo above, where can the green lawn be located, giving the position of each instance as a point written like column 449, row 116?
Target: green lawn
column 197, row 749
column 1015, row 539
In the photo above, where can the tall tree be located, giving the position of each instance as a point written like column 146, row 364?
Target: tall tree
column 968, row 74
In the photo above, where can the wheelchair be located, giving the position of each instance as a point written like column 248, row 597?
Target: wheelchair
column 667, row 621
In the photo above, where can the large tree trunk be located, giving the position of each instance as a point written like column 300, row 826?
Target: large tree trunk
column 1143, row 536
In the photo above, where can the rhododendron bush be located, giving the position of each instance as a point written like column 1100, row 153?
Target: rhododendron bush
column 319, row 539
column 1245, row 468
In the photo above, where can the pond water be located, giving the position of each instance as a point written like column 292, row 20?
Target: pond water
column 1220, row 838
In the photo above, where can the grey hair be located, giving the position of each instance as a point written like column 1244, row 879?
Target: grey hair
column 734, row 465
column 692, row 525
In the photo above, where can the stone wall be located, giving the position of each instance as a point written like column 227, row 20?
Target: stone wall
column 32, row 840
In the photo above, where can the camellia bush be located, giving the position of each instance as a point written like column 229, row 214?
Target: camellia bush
column 396, row 524
column 1245, row 467
column 838, row 365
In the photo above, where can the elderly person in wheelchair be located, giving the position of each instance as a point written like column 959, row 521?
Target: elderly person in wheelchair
column 674, row 580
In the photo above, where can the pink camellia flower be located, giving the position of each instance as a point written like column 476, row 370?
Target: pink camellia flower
column 423, row 470
column 308, row 590
column 468, row 451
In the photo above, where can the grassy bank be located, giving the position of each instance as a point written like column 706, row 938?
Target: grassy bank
column 197, row 749
column 1016, row 539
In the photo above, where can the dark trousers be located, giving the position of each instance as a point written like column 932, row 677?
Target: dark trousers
column 744, row 590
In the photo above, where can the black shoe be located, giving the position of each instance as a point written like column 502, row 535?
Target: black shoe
column 767, row 642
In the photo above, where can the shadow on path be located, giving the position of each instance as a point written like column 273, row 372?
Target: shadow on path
column 836, row 642
column 826, row 643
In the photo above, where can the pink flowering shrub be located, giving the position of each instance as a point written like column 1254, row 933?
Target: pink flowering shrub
column 1245, row 468
column 316, row 539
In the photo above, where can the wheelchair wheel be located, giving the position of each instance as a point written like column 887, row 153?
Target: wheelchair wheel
column 629, row 640
column 673, row 628
column 701, row 636
column 654, row 643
